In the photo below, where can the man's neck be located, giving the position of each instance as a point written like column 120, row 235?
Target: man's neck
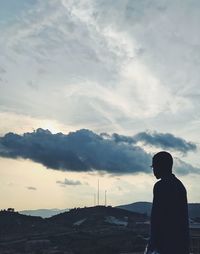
column 167, row 176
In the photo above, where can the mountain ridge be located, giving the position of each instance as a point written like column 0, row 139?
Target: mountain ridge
column 143, row 207
column 44, row 213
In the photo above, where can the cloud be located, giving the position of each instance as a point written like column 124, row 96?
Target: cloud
column 107, row 59
column 165, row 141
column 31, row 188
column 80, row 151
column 184, row 168
column 2, row 70
column 69, row 182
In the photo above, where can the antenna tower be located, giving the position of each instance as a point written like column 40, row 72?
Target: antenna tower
column 94, row 199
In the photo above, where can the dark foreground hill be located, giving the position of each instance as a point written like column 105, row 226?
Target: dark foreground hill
column 145, row 208
column 98, row 216
column 14, row 224
column 80, row 231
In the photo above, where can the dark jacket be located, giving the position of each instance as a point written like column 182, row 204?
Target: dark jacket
column 169, row 217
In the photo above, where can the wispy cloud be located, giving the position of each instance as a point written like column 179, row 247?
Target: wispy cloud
column 70, row 182
column 116, row 64
column 31, row 188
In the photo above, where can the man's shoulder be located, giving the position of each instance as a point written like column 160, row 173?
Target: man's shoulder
column 158, row 185
column 169, row 185
column 179, row 184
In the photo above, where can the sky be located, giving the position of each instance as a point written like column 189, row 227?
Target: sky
column 90, row 90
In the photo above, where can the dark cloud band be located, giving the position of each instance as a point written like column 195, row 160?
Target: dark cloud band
column 84, row 150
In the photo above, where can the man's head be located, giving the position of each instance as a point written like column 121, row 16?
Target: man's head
column 162, row 163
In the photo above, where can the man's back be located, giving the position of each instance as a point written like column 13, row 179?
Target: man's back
column 169, row 217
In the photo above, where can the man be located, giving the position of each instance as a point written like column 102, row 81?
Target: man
column 169, row 215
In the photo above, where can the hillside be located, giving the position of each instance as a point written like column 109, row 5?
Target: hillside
column 89, row 230
column 97, row 216
column 14, row 224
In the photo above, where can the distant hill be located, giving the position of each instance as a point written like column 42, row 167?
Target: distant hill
column 194, row 210
column 145, row 208
column 138, row 207
column 44, row 213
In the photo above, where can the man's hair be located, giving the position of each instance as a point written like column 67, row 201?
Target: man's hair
column 164, row 161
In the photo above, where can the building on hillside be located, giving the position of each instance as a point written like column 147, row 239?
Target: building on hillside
column 11, row 210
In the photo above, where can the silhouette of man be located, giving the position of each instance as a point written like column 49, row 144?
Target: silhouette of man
column 169, row 214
